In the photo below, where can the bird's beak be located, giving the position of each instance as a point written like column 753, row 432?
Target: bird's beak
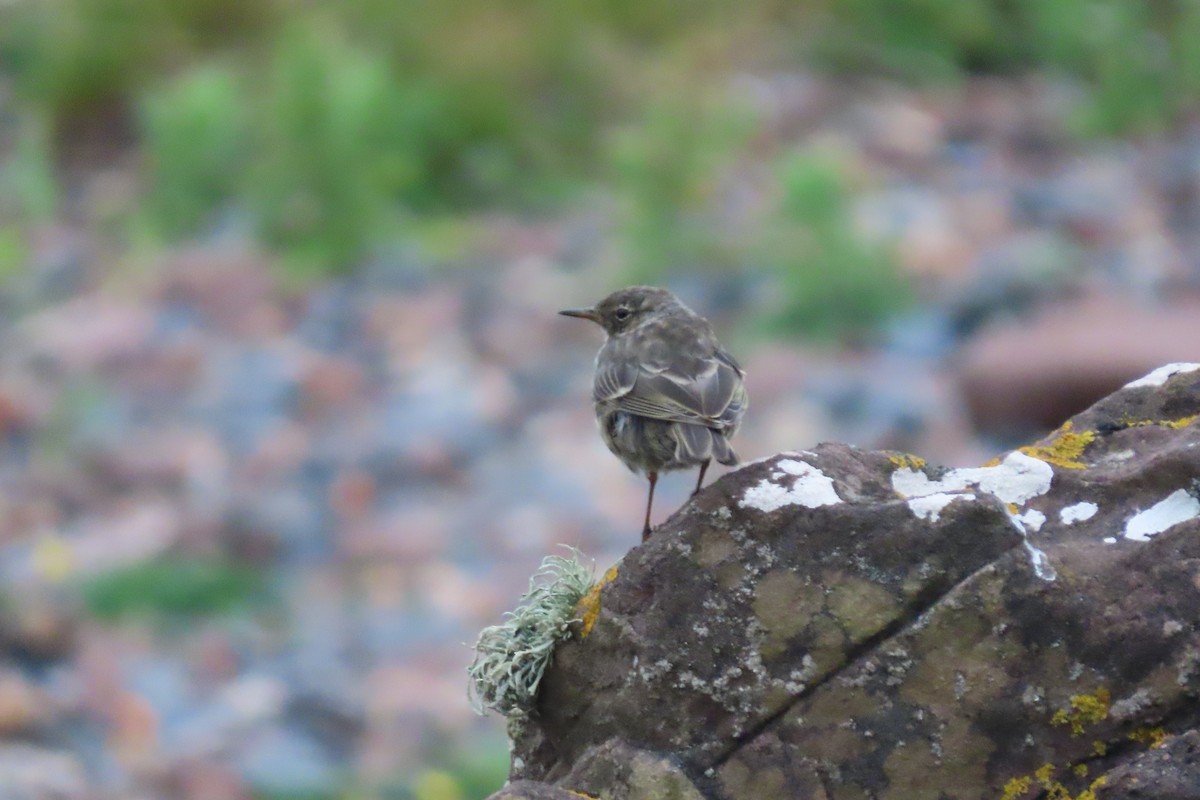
column 582, row 313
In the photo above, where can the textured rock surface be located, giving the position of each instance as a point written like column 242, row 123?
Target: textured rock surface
column 1172, row 770
column 847, row 624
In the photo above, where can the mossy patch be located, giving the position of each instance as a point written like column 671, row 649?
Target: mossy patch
column 863, row 608
column 511, row 657
column 715, row 546
column 784, row 605
column 1065, row 448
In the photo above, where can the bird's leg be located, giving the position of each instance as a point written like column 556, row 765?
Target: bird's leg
column 653, row 476
column 700, row 480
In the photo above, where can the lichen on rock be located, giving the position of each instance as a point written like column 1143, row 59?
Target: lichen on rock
column 510, row 658
column 903, row 640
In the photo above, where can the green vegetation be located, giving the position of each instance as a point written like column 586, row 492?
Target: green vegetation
column 196, row 147
column 831, row 282
column 1138, row 63
column 173, row 587
column 666, row 169
column 332, row 129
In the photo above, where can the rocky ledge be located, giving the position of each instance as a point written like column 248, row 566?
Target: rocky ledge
column 838, row 623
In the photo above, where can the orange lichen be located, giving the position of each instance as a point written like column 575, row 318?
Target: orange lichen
column 588, row 608
column 1064, row 449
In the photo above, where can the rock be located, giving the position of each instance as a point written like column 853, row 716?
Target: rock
column 1168, row 772
column 203, row 780
column 1029, row 375
column 40, row 630
column 844, row 624
column 29, row 772
column 23, row 707
column 624, row 773
column 532, row 790
column 285, row 761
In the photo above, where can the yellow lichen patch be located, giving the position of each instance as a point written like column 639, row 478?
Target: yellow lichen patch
column 1050, row 789
column 1153, row 737
column 1044, row 774
column 1065, row 449
column 1054, row 790
column 588, row 608
column 1086, row 709
column 1090, row 792
column 992, row 462
column 1016, row 788
column 902, row 460
column 581, row 794
column 1100, row 747
column 1182, row 422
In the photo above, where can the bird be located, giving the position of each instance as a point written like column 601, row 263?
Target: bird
column 667, row 395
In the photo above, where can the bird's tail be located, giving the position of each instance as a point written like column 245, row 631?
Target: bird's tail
column 700, row 443
column 721, row 450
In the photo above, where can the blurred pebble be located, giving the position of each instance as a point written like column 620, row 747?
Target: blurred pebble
column 30, row 772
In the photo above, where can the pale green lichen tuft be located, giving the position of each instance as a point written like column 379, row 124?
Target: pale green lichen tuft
column 511, row 657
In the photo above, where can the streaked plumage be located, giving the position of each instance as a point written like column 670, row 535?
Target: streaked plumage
column 668, row 396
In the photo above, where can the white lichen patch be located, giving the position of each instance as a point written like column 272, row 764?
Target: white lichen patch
column 1041, row 565
column 793, row 483
column 1110, row 540
column 1078, row 512
column 1130, row 707
column 1163, row 374
column 1037, row 559
column 1177, row 507
column 1032, row 519
column 930, row 506
column 1016, row 479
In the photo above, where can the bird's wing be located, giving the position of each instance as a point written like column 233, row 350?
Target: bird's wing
column 705, row 391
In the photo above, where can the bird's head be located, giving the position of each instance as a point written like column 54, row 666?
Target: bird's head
column 627, row 308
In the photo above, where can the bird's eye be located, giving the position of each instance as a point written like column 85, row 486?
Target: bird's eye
column 622, row 313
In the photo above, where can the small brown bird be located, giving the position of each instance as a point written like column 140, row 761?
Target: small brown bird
column 667, row 395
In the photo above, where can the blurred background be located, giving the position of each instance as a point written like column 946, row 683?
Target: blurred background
column 287, row 416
